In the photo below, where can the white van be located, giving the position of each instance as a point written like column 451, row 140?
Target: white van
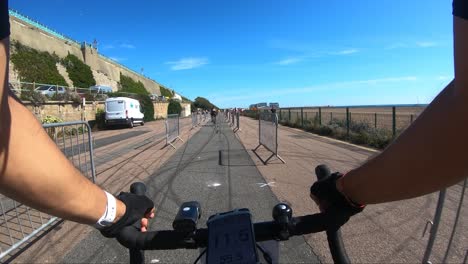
column 123, row 111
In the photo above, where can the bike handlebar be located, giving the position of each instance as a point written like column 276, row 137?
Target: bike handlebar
column 132, row 238
column 170, row 239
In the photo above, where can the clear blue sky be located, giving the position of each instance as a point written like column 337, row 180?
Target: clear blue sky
column 298, row 52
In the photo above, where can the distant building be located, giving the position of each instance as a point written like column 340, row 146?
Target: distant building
column 274, row 105
column 177, row 97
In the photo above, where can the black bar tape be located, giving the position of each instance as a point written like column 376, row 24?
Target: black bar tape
column 460, row 8
column 4, row 19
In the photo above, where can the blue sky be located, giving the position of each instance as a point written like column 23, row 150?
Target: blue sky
column 296, row 52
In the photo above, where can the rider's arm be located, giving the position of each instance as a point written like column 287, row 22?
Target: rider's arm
column 32, row 169
column 431, row 154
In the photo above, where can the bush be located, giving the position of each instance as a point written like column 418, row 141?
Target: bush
column 174, row 107
column 100, row 118
column 35, row 66
column 36, row 98
column 80, row 73
column 68, row 96
column 128, row 85
column 146, row 106
column 51, row 120
column 166, row 92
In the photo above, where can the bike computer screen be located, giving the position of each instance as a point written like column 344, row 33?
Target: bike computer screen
column 231, row 238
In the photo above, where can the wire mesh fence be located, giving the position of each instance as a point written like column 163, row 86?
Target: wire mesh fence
column 19, row 224
column 268, row 134
column 194, row 120
column 374, row 126
column 172, row 129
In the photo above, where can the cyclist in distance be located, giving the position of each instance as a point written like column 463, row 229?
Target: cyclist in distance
column 430, row 155
column 214, row 113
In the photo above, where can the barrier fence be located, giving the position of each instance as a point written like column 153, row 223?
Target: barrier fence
column 233, row 114
column 194, row 120
column 19, row 224
column 268, row 134
column 237, row 128
column 392, row 119
column 172, row 129
column 374, row 126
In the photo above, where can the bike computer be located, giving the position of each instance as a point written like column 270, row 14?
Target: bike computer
column 231, row 238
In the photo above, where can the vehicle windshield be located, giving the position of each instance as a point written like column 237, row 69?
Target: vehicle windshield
column 115, row 106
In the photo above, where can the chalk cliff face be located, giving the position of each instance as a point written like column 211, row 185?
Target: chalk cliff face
column 39, row 37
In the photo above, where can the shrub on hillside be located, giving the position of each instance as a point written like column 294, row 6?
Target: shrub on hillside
column 80, row 73
column 129, row 85
column 166, row 92
column 36, row 66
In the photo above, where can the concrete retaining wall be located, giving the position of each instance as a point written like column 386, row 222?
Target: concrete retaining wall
column 66, row 111
column 108, row 70
column 74, row 112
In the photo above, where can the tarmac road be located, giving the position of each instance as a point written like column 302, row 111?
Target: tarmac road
column 214, row 169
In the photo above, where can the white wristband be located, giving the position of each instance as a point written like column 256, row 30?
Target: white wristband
column 109, row 215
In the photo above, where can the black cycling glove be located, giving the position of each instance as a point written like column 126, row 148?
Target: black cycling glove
column 336, row 207
column 136, row 207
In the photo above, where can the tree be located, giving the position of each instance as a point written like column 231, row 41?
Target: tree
column 174, row 107
column 203, row 103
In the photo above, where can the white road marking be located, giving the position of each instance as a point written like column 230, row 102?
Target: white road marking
column 262, row 184
column 155, row 261
column 214, row 184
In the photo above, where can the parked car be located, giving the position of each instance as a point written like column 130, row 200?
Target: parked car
column 154, row 97
column 100, row 89
column 123, row 111
column 50, row 90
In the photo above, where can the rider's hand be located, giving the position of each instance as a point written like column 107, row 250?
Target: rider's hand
column 335, row 206
column 138, row 210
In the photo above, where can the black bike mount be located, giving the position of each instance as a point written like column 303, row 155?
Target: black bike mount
column 187, row 217
column 282, row 214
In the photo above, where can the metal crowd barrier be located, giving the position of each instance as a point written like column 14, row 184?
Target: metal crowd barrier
column 19, row 223
column 237, row 128
column 232, row 117
column 172, row 129
column 194, row 120
column 268, row 134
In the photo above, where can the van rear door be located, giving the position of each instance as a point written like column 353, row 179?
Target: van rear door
column 115, row 109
